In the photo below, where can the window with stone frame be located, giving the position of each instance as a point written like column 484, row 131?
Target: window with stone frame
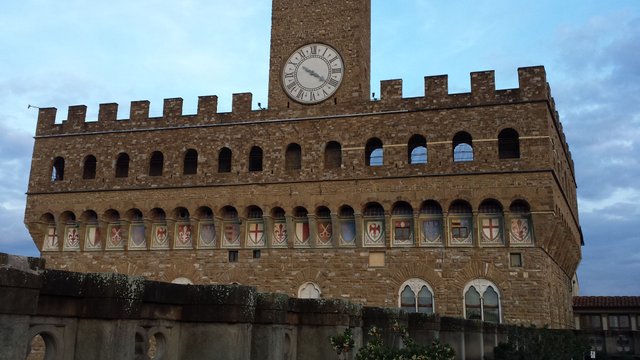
column 417, row 150
column 619, row 321
column 333, row 155
column 309, row 290
column 590, row 322
column 255, row 159
column 416, row 296
column 156, row 164
column 482, row 301
column 122, row 166
column 89, row 168
column 462, row 147
column 508, row 144
column 224, row 160
column 293, row 157
column 57, row 170
column 374, row 152
column 190, row 166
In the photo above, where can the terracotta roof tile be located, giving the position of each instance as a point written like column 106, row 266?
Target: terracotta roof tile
column 606, row 301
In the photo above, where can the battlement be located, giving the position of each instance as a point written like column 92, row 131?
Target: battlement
column 532, row 87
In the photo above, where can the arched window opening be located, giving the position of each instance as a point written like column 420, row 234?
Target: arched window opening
column 190, row 162
column 255, row 159
column 374, row 152
column 309, row 290
column 89, row 168
column 293, row 157
column 482, row 301
column 417, row 150
column 333, row 155
column 156, row 164
column 462, row 147
column 57, row 172
column 122, row 166
column 224, row 160
column 416, row 296
column 431, row 207
column 508, row 144
column 373, row 210
column 43, row 346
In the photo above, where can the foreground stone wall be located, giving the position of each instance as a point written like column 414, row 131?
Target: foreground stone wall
column 111, row 316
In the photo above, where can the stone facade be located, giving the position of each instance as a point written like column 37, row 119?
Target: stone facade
column 370, row 194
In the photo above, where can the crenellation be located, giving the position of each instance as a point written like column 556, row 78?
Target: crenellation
column 172, row 109
column 139, row 110
column 108, row 113
column 533, row 83
column 391, row 90
column 241, row 103
column 483, row 86
column 46, row 120
column 77, row 116
column 436, row 88
column 207, row 107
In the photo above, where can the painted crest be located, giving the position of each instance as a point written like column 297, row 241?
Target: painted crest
column 72, row 238
column 491, row 231
column 302, row 232
column 348, row 231
column 520, row 231
column 375, row 232
column 137, row 235
column 184, row 234
column 325, row 231
column 432, row 231
column 256, row 233
column 279, row 233
column 51, row 240
column 160, row 235
column 402, row 231
column 115, row 235
column 461, row 231
column 232, row 233
column 92, row 239
column 207, row 234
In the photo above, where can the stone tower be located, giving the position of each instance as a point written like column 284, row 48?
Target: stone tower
column 455, row 204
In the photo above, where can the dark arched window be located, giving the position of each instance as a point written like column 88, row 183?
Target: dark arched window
column 293, row 157
column 509, row 144
column 156, row 164
column 122, row 166
column 255, row 159
column 57, row 172
column 462, row 147
column 190, row 162
column 224, row 160
column 417, row 150
column 374, row 152
column 89, row 168
column 333, row 155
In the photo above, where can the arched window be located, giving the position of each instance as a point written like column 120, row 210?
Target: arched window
column 122, row 166
column 417, row 150
column 416, row 295
column 462, row 147
column 309, row 290
column 156, row 164
column 490, row 221
column 431, row 223
column 460, row 221
column 482, row 301
column 374, row 152
column 255, row 159
column 190, row 162
column 333, row 155
column 402, row 220
column 57, row 172
column 509, row 144
column 89, row 168
column 520, row 228
column 293, row 157
column 224, row 160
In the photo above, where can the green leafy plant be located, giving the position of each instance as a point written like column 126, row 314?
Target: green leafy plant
column 541, row 344
column 342, row 344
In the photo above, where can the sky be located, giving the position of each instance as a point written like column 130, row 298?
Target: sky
column 70, row 52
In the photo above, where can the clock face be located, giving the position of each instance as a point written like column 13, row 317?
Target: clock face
column 312, row 73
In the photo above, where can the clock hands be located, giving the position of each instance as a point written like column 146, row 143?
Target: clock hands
column 313, row 73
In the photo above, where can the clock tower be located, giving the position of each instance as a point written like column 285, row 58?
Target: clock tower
column 320, row 53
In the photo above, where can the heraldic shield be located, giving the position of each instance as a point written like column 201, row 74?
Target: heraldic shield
column 137, row 235
column 520, row 233
column 115, row 236
column 92, row 238
column 280, row 234
column 72, row 239
column 491, row 230
column 231, row 233
column 432, row 231
column 184, row 235
column 207, row 234
column 255, row 234
column 302, row 232
column 325, row 231
column 160, row 235
column 348, row 231
column 375, row 232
